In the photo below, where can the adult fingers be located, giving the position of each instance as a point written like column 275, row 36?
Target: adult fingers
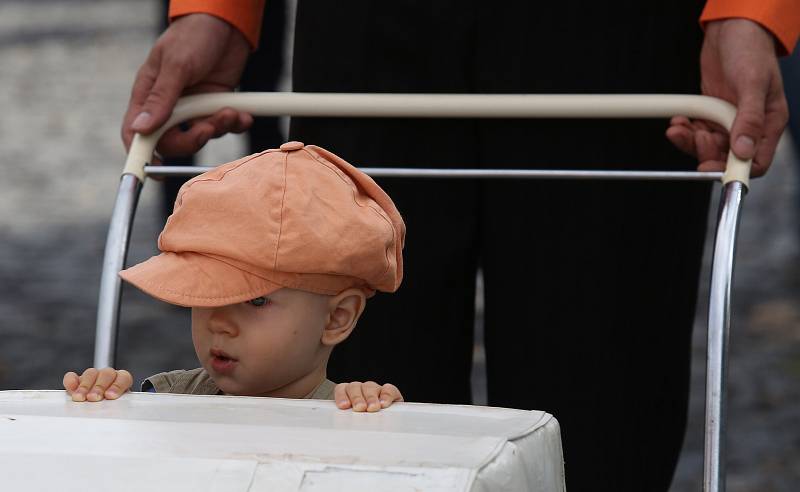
column 356, row 396
column 701, row 140
column 228, row 120
column 389, row 394
column 721, row 140
column 681, row 133
column 682, row 137
column 708, row 126
column 86, row 381
column 679, row 120
column 775, row 123
column 705, row 146
column 711, row 166
column 191, row 137
column 104, row 379
column 142, row 84
column 71, row 382
column 695, row 124
column 765, row 152
column 170, row 81
column 122, row 382
column 710, row 155
column 748, row 126
column 185, row 140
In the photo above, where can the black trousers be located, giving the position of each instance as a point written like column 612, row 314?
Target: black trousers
column 590, row 287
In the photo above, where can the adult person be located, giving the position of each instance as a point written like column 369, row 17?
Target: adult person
column 590, row 287
column 261, row 74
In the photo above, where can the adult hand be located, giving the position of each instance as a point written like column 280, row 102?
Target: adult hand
column 738, row 64
column 198, row 53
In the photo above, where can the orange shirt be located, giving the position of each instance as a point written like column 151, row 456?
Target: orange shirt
column 780, row 17
column 245, row 15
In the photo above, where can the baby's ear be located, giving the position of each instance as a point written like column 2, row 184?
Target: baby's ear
column 345, row 309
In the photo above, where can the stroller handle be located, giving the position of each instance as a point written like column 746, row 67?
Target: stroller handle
column 447, row 106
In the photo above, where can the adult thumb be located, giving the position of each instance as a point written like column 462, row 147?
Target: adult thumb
column 160, row 101
column 748, row 126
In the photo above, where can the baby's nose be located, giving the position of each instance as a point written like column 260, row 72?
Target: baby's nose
column 222, row 325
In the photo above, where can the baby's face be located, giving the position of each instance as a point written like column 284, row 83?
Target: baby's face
column 257, row 350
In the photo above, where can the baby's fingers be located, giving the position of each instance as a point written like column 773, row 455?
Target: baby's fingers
column 356, row 396
column 370, row 390
column 105, row 377
column 71, row 382
column 85, row 383
column 122, row 383
column 389, row 394
column 340, row 395
column 369, row 396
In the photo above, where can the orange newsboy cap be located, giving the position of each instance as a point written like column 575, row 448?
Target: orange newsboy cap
column 297, row 217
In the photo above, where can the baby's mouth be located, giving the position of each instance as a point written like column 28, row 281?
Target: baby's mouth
column 215, row 352
column 222, row 362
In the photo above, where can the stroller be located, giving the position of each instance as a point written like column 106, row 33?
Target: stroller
column 735, row 181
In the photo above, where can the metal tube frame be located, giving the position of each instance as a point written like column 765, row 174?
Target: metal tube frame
column 484, row 106
column 400, row 172
column 119, row 234
column 719, row 320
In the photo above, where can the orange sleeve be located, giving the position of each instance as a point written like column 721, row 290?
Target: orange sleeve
column 780, row 17
column 244, row 15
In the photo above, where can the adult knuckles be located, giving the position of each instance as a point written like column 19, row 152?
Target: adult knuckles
column 750, row 70
column 189, row 65
column 751, row 119
column 158, row 96
column 780, row 113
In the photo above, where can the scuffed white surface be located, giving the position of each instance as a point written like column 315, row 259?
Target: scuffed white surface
column 188, row 442
column 533, row 455
column 75, row 472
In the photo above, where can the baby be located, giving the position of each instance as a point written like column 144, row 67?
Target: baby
column 276, row 254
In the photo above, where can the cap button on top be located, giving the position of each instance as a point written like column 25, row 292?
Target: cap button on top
column 289, row 146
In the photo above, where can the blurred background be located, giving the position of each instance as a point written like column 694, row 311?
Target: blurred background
column 66, row 67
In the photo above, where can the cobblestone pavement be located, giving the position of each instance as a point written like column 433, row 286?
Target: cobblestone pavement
column 65, row 72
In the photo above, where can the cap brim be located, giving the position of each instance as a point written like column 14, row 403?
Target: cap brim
column 196, row 280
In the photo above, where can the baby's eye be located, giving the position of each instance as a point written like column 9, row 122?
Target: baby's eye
column 259, row 301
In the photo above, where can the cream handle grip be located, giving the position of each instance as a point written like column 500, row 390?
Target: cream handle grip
column 447, row 106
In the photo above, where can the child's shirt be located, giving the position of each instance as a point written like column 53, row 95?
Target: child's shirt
column 198, row 382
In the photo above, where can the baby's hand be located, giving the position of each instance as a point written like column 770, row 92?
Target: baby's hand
column 369, row 396
column 94, row 385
